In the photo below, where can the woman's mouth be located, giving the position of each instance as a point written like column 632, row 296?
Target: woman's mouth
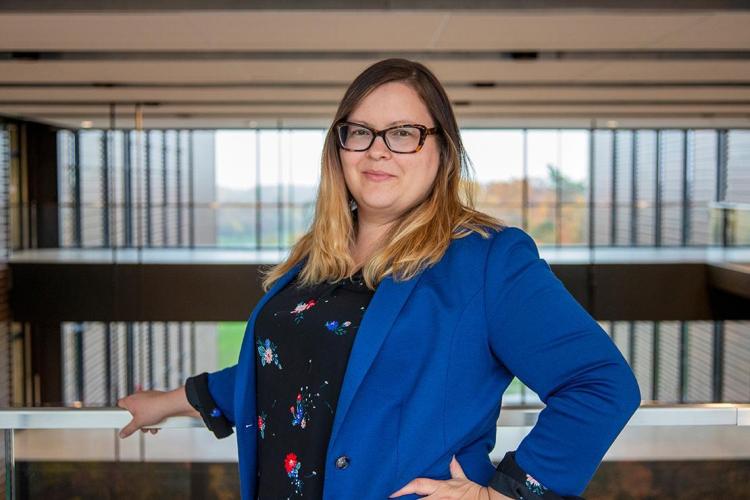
column 377, row 177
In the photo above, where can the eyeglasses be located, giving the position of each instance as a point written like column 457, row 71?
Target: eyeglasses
column 407, row 138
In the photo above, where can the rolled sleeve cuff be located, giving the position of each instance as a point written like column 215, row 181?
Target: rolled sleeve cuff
column 196, row 389
column 512, row 481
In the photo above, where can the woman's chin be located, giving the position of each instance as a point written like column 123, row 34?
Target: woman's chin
column 377, row 205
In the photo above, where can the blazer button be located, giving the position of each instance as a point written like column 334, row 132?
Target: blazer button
column 342, row 462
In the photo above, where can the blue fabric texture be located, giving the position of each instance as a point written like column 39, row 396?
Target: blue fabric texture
column 433, row 356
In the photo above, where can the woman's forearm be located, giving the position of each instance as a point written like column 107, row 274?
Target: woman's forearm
column 179, row 405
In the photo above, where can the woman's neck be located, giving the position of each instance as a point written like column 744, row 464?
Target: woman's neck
column 369, row 236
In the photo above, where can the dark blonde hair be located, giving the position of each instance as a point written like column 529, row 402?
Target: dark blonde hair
column 422, row 234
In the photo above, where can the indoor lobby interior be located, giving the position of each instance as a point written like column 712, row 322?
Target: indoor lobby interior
column 155, row 156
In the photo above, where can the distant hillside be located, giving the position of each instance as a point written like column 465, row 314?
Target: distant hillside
column 269, row 194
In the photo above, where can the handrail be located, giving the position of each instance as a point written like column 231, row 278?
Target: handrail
column 729, row 205
column 649, row 414
column 711, row 414
column 727, row 416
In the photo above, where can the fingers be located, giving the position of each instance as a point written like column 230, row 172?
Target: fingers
column 420, row 485
column 128, row 429
column 456, row 470
column 131, row 427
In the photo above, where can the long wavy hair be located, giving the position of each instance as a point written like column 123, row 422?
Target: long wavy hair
column 421, row 235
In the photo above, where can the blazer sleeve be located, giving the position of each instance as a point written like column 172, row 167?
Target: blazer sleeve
column 212, row 395
column 543, row 336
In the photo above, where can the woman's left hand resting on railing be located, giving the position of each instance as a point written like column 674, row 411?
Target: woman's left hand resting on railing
column 458, row 487
column 151, row 407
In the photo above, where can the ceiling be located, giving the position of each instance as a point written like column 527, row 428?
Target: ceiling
column 573, row 67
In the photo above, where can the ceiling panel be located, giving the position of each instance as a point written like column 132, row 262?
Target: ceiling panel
column 333, row 94
column 304, row 71
column 728, row 71
column 531, row 121
column 369, row 30
column 202, row 31
column 270, row 110
column 715, row 31
column 561, row 31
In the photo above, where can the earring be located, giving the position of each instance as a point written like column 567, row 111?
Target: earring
column 352, row 205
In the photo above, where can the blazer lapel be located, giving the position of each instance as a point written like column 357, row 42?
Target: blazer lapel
column 385, row 305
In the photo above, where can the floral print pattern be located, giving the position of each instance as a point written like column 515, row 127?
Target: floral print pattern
column 335, row 328
column 303, row 404
column 299, row 412
column 267, row 353
column 534, row 486
column 292, row 466
column 262, row 424
column 301, row 308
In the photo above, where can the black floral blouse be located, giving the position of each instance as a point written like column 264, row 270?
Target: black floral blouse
column 303, row 338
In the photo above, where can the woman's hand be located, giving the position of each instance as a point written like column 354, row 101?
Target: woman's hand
column 458, row 487
column 151, row 407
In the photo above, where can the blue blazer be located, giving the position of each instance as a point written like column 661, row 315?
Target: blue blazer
column 430, row 362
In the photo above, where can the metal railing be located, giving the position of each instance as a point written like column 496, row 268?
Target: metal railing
column 708, row 415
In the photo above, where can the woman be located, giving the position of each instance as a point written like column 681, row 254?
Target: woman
column 374, row 365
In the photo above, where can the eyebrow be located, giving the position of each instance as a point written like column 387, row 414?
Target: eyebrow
column 397, row 122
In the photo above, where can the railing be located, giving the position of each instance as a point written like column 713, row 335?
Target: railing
column 734, row 418
column 715, row 414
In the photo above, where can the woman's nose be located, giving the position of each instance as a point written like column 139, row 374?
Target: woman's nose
column 378, row 147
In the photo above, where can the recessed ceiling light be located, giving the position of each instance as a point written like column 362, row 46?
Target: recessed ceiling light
column 87, row 124
column 612, row 123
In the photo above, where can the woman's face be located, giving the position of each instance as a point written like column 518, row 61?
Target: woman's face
column 411, row 174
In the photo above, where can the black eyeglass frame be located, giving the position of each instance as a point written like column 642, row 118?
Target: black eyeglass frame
column 423, row 133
